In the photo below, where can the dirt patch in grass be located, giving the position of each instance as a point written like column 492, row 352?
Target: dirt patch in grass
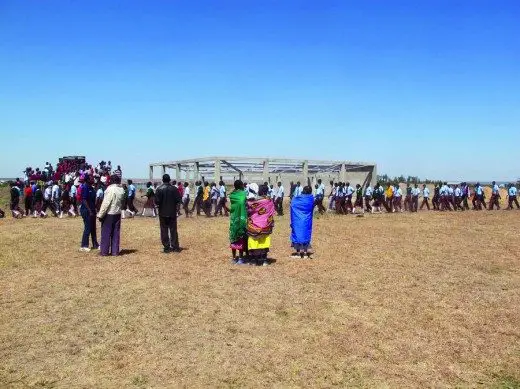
column 403, row 300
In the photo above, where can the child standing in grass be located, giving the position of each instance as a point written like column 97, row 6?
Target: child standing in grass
column 238, row 223
column 301, row 223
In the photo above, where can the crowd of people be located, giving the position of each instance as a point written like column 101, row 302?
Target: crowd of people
column 98, row 193
column 346, row 199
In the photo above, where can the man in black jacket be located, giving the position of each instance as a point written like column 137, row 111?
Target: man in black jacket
column 167, row 198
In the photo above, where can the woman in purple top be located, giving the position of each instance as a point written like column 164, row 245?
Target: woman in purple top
column 88, row 213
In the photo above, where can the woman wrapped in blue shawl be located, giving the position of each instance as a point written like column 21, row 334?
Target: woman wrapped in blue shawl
column 302, row 207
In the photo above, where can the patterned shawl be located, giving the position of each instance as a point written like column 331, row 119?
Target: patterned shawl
column 260, row 217
column 238, row 216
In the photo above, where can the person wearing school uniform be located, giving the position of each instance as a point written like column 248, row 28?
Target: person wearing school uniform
column 408, row 198
column 332, row 195
column 398, row 198
column 415, row 198
column 494, row 201
column 479, row 197
column 47, row 200
column 186, row 199
column 451, row 196
column 320, row 195
column 99, row 196
column 150, row 199
column 426, row 197
column 16, row 211
column 197, row 199
column 512, row 197
column 66, row 204
column 465, row 195
column 458, row 199
column 298, row 190
column 38, row 201
column 340, row 198
column 131, row 198
column 369, row 193
column 214, row 196
column 444, row 193
column 436, row 201
column 278, row 202
column 349, row 193
column 269, row 190
column 359, row 199
column 222, row 199
column 56, row 197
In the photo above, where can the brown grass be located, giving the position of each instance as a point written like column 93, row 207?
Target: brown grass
column 423, row 300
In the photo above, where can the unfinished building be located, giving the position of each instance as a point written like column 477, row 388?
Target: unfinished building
column 271, row 170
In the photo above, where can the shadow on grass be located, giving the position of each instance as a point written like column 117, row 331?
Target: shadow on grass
column 127, row 251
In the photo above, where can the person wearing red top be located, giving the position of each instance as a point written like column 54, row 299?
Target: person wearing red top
column 180, row 188
column 28, row 199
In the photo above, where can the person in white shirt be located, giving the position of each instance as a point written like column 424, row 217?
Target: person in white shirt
column 398, row 198
column 349, row 192
column 368, row 198
column 278, row 201
column 320, row 194
column 186, row 199
column 56, row 197
column 47, row 201
column 415, row 198
column 426, row 197
column 457, row 195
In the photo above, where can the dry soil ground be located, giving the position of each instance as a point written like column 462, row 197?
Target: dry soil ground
column 408, row 300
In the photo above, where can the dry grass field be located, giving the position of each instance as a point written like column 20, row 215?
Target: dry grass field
column 407, row 300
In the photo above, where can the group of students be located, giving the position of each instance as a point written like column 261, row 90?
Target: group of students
column 393, row 199
column 62, row 199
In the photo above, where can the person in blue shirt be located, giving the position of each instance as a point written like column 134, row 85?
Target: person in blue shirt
column 512, row 197
column 88, row 213
column 478, row 198
column 131, row 197
column 320, row 194
column 222, row 199
column 494, row 201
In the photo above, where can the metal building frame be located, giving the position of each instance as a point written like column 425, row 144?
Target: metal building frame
column 267, row 169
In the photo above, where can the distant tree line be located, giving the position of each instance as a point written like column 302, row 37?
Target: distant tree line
column 386, row 179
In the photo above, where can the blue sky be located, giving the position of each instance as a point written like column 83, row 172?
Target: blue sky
column 428, row 88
